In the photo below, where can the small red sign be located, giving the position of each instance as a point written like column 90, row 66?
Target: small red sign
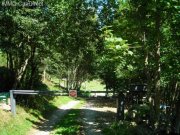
column 73, row 93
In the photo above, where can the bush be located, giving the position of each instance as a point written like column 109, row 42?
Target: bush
column 138, row 113
column 127, row 128
column 119, row 128
column 85, row 93
column 142, row 130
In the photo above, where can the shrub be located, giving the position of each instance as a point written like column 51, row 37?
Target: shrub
column 119, row 128
column 127, row 128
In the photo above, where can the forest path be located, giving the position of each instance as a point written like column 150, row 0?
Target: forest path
column 96, row 114
column 47, row 126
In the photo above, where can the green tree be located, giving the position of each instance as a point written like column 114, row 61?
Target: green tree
column 149, row 27
column 76, row 42
column 22, row 42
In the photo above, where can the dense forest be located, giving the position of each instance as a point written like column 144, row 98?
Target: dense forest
column 122, row 42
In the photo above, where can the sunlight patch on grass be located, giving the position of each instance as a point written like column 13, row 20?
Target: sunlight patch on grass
column 93, row 85
column 61, row 100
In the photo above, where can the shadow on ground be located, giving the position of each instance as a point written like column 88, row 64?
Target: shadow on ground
column 91, row 120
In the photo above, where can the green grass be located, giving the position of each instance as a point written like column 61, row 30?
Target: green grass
column 24, row 119
column 53, row 87
column 18, row 125
column 53, row 84
column 58, row 101
column 70, row 124
column 93, row 85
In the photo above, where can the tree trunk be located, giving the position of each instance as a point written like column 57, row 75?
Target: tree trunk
column 106, row 89
column 20, row 72
column 7, row 59
column 31, row 81
column 11, row 65
column 157, row 63
column 33, row 67
column 146, row 64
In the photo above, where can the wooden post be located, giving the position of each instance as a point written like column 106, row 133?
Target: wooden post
column 13, row 103
column 120, row 106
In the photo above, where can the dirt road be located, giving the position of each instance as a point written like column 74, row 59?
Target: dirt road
column 97, row 114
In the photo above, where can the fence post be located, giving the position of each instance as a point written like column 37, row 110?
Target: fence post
column 13, row 103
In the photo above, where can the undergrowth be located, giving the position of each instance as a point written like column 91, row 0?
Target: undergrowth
column 126, row 128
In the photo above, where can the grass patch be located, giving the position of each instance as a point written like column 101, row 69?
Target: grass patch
column 58, row 101
column 93, row 85
column 18, row 125
column 70, row 124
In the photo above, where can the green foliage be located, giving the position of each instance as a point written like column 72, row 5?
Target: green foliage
column 141, row 109
column 114, row 64
column 85, row 93
column 127, row 128
column 119, row 128
column 150, row 31
column 122, row 42
column 76, row 42
column 138, row 113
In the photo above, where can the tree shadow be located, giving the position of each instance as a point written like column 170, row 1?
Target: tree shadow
column 47, row 123
column 96, row 121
